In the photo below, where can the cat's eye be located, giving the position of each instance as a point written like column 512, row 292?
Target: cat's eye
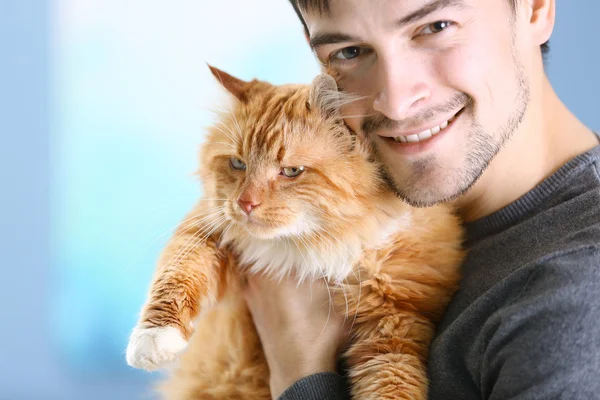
column 292, row 172
column 237, row 164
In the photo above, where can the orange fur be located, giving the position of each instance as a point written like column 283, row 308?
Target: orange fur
column 393, row 268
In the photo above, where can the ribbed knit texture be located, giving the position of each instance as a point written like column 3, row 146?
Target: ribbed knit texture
column 322, row 386
column 531, row 202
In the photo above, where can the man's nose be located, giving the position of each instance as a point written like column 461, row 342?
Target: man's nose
column 401, row 89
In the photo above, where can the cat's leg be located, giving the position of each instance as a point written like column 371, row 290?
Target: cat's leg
column 396, row 297
column 387, row 359
column 186, row 276
column 224, row 359
column 393, row 326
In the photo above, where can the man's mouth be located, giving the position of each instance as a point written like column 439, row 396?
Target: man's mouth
column 426, row 134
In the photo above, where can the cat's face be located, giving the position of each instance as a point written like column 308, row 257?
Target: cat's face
column 281, row 163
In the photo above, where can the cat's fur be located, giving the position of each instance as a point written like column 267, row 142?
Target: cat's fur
column 391, row 267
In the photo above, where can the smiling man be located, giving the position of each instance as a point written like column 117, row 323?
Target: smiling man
column 458, row 108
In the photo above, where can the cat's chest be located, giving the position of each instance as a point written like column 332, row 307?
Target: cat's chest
column 286, row 257
column 334, row 260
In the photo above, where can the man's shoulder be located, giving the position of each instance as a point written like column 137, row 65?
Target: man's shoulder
column 548, row 334
column 552, row 231
column 561, row 221
column 572, row 272
column 571, row 217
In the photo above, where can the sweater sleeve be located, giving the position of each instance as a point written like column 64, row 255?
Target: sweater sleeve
column 321, row 386
column 546, row 345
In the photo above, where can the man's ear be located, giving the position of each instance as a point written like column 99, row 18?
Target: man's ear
column 542, row 14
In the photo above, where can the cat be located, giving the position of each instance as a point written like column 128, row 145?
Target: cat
column 289, row 189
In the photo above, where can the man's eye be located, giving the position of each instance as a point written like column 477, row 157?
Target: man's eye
column 436, row 27
column 348, row 53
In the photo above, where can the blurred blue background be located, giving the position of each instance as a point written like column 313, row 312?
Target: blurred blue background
column 102, row 108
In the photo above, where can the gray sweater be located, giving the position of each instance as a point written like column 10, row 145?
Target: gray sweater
column 526, row 322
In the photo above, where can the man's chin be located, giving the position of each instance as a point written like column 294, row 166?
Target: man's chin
column 419, row 200
column 424, row 192
column 428, row 193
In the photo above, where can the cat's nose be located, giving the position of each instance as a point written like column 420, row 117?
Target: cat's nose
column 248, row 205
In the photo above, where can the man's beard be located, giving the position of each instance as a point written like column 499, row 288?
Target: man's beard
column 482, row 147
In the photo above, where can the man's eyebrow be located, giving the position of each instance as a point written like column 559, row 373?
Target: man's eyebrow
column 325, row 38
column 429, row 8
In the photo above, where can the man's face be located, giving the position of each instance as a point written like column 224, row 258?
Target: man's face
column 442, row 82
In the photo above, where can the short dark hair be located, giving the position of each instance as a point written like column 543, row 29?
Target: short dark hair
column 323, row 6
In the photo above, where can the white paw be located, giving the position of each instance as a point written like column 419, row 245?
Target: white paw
column 154, row 348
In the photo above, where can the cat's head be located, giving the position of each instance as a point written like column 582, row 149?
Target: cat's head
column 281, row 162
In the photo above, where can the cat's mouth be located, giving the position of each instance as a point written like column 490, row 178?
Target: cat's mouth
column 253, row 225
column 260, row 230
column 255, row 222
column 269, row 225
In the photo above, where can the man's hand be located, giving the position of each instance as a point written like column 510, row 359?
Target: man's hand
column 299, row 330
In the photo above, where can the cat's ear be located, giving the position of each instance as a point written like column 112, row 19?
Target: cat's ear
column 233, row 85
column 324, row 95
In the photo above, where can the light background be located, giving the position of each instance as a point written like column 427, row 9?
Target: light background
column 102, row 108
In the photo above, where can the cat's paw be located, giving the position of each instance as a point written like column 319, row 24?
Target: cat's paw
column 154, row 348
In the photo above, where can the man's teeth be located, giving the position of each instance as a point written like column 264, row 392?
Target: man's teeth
column 425, row 134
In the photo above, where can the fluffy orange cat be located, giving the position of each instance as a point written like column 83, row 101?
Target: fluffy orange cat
column 290, row 190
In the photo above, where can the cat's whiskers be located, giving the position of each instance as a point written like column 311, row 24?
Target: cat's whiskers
column 339, row 99
column 174, row 260
column 335, row 99
column 359, row 116
column 330, row 306
column 235, row 121
column 224, row 220
column 357, row 300
column 225, row 231
column 219, row 112
column 337, row 249
column 311, row 249
column 330, row 238
column 235, row 136
column 178, row 257
column 301, row 277
column 212, row 215
column 341, row 286
column 188, row 243
column 302, row 239
column 232, row 113
column 334, row 242
column 198, row 239
column 229, row 145
column 185, row 224
column 235, row 140
column 239, row 129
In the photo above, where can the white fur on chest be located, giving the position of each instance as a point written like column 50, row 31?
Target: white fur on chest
column 282, row 257
column 333, row 259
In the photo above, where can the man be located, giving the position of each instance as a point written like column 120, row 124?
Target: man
column 523, row 172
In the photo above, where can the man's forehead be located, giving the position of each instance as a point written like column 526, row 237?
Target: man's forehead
column 325, row 17
column 327, row 9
